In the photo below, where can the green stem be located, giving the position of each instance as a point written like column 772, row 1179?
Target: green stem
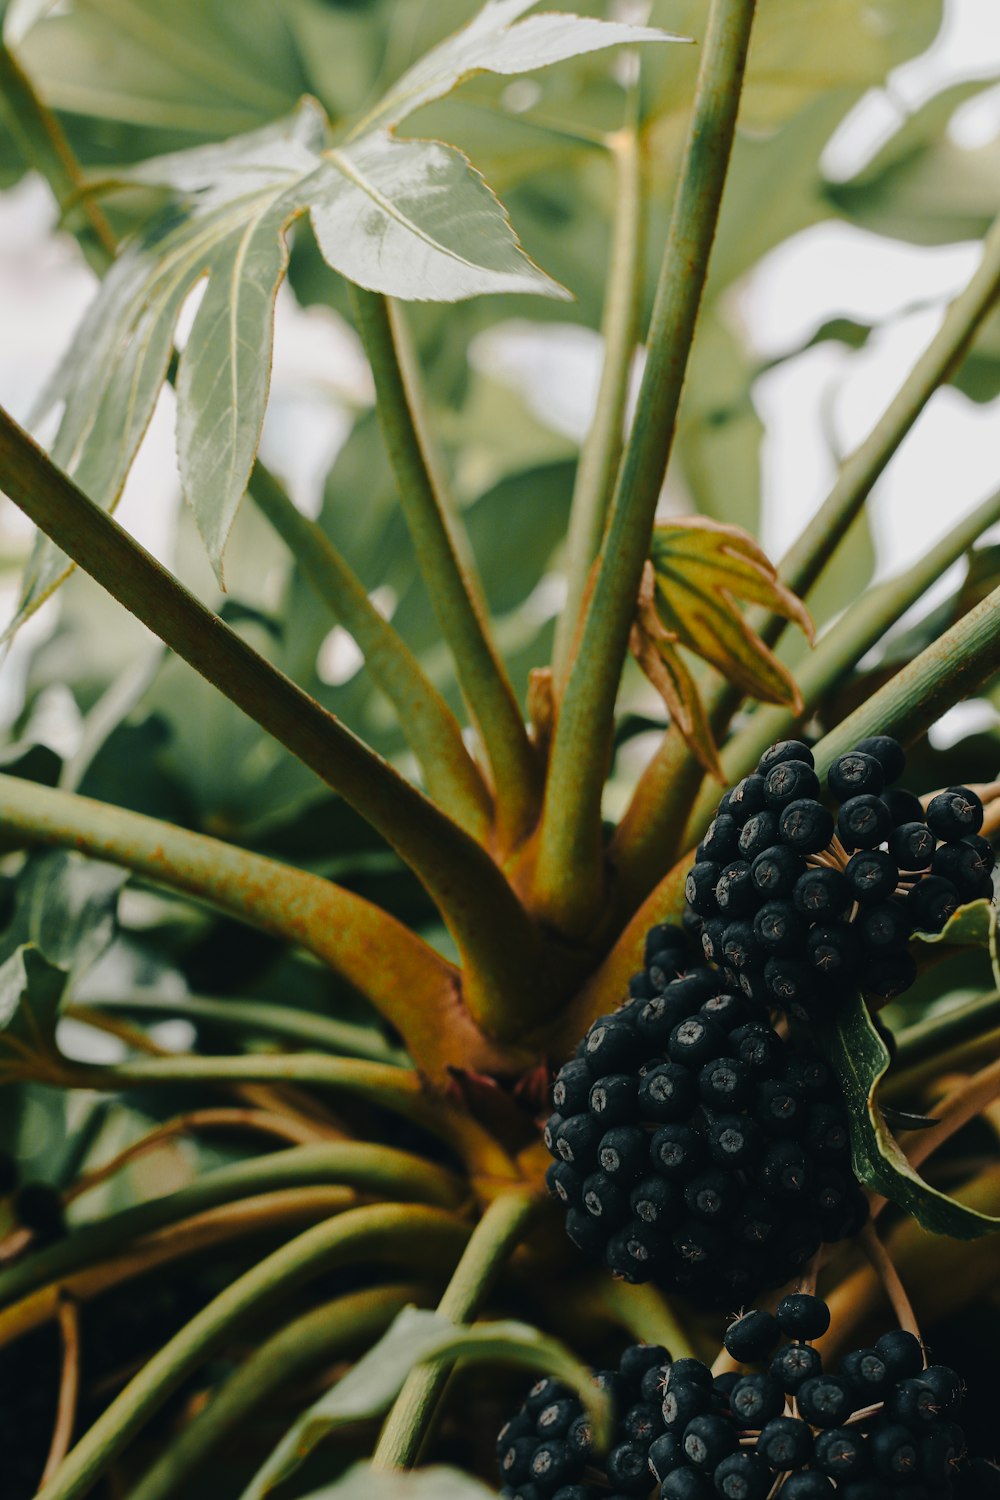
column 497, row 941
column 601, row 451
column 568, row 877
column 481, row 675
column 497, row 1234
column 931, row 1038
column 955, row 665
column 841, row 648
column 43, row 143
column 370, row 1168
column 414, row 1236
column 408, row 983
column 431, row 730
column 259, row 1017
column 333, row 1331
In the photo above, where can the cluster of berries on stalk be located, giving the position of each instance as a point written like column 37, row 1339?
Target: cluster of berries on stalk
column 883, row 1423
column 795, row 904
column 693, row 1145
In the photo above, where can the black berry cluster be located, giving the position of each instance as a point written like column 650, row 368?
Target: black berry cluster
column 795, row 903
column 885, row 1421
column 694, row 1146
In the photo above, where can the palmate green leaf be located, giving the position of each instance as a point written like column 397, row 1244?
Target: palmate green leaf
column 861, row 1059
column 420, row 1337
column 30, row 991
column 410, row 219
column 438, row 1482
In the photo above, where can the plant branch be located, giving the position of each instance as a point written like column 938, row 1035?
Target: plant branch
column 333, row 1331
column 368, row 1168
column 494, row 936
column 930, row 1039
column 43, row 144
column 497, row 1234
column 407, row 982
column 882, row 1265
column 259, row 1016
column 955, row 1110
column 602, row 446
column 652, row 815
column 568, row 876
column 69, row 1387
column 407, row 1234
column 481, row 674
column 430, row 728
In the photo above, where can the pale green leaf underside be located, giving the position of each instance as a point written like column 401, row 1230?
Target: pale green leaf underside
column 419, row 1337
column 410, row 219
column 362, row 1482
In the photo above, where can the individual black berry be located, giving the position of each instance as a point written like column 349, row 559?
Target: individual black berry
column 778, row 1107
column 733, row 1140
column 901, row 1353
column 931, row 902
column 834, row 950
column 884, row 925
column 759, row 1048
column 742, row 1476
column 553, row 1463
column 697, row 1243
column 708, row 1440
column 785, row 1443
column 613, row 1098
column 657, row 1019
column 578, row 1138
column 721, row 841
column 655, row 1201
column 627, row 1469
column 712, row 935
column 863, row 822
column 667, row 1092
column 806, row 826
column 713, row 1196
column 684, row 1400
column 735, row 892
column 913, row 1402
column 724, row 1083
column 842, row 1454
column 962, row 864
column 563, row 1181
column 638, row 1358
column 571, row 1090
column 756, row 1399
column 872, row 875
column 904, row 807
column 790, row 982
column 604, row 1199
column 587, row 1233
column 665, row 1455
column 789, row 780
column 747, row 797
column 515, row 1460
column 758, row 1220
column 611, row 1046
column 794, row 1364
column 855, row 774
column 810, row 1484
column 739, row 945
column 984, row 849
column 779, row 929
column 784, row 1170
column 887, row 751
column 751, row 1338
column 946, row 1385
column 760, row 831
column 894, row 1452
column 822, row 894
column 827, row 1136
column 954, row 814
column 636, row 1250
column 696, row 1041
column 728, row 1010
column 775, row 871
column 782, row 751
column 912, row 845
column 687, row 1484
column 825, row 1400
column 802, row 1316
column 889, row 974
column 663, row 937
column 622, row 1153
column 678, row 1152
column 699, row 888
column 866, row 1370
column 555, row 1420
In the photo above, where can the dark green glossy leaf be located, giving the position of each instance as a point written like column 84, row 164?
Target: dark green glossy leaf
column 861, row 1059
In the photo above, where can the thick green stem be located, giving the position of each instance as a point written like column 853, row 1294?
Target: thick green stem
column 407, row 982
column 601, row 450
column 481, row 674
column 43, row 143
column 258, row 1017
column 841, row 648
column 375, row 1169
column 414, row 1236
column 497, row 941
column 333, row 1331
column 497, row 1234
column 568, row 876
column 431, row 730
column 934, row 1037
column 955, row 665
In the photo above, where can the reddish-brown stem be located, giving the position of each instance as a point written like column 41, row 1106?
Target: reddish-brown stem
column 69, row 1386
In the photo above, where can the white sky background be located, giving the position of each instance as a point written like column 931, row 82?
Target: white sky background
column 948, row 464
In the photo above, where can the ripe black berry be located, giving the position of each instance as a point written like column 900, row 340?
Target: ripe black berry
column 802, row 1316
column 911, row 845
column 775, row 871
column 708, row 1440
column 807, row 827
column 756, row 1399
column 872, row 875
column 842, row 1454
column 955, row 813
column 789, row 780
column 863, row 822
column 785, row 1443
column 752, row 1337
column 784, row 750
column 887, row 751
column 855, row 774
column 793, row 1365
column 931, row 902
column 825, row 1400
